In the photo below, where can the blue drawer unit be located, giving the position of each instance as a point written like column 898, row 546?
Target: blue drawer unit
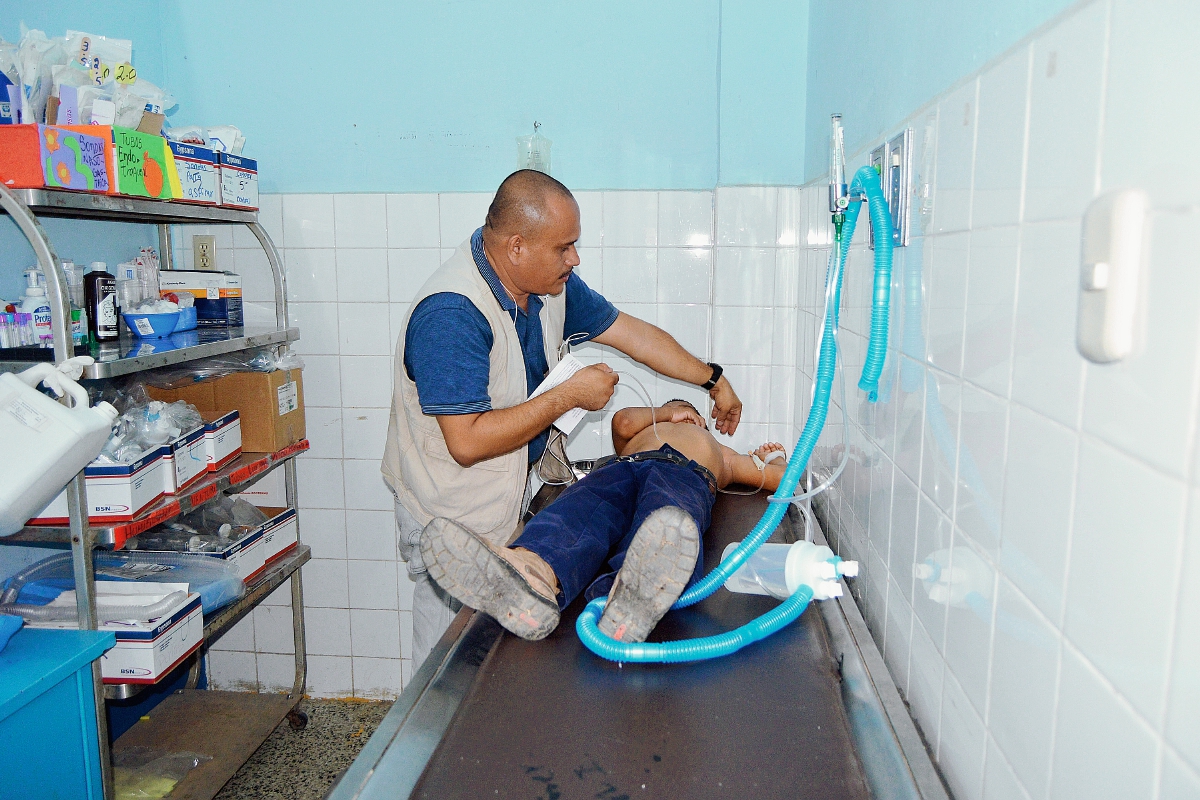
column 48, row 714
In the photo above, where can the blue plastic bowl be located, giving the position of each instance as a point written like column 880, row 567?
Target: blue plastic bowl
column 152, row 326
column 187, row 319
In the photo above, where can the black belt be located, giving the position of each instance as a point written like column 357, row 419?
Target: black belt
column 668, row 454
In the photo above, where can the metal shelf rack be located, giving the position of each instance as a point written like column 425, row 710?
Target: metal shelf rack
column 131, row 356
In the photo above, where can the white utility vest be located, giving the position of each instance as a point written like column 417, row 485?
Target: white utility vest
column 417, row 465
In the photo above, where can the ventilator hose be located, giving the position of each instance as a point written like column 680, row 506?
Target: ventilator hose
column 867, row 180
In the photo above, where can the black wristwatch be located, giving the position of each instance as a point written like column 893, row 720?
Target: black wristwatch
column 716, row 376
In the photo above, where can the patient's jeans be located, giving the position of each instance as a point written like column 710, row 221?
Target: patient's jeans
column 592, row 523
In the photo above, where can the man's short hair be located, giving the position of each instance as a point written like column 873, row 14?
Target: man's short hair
column 685, row 402
column 521, row 203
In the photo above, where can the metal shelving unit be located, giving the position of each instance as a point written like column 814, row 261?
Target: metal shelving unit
column 130, row 356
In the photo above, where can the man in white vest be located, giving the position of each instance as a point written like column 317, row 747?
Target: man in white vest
column 481, row 334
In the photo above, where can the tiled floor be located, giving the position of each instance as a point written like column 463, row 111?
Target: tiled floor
column 302, row 765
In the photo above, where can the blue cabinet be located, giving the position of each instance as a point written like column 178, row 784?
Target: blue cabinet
column 48, row 714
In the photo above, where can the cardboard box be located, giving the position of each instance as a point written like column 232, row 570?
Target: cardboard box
column 218, row 295
column 145, row 651
column 269, row 491
column 186, row 460
column 139, row 164
column 281, row 533
column 119, row 492
column 36, row 156
column 239, row 181
column 199, row 180
column 222, row 440
column 270, row 405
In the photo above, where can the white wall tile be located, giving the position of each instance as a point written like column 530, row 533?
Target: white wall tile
column 377, row 678
column 322, row 381
column 1183, row 705
column 939, row 460
column 935, row 537
column 408, row 270
column 461, row 213
column 1039, row 481
column 961, row 742
column 413, row 220
column 991, row 299
column 239, row 637
column 746, row 216
column 1101, row 749
column 1142, row 402
column 685, row 219
column 365, row 488
column 591, row 266
column 924, row 692
column 320, row 482
column 742, row 335
column 323, row 427
column 308, row 220
column 366, row 381
column 1000, row 142
column 360, row 220
column 946, row 296
column 999, row 781
column 364, row 329
column 753, row 385
column 1127, row 641
column 689, row 325
column 1178, row 782
column 373, row 584
column 955, row 158
column 1064, row 115
column 1023, row 688
column 375, row 633
column 969, row 623
column 371, row 535
column 591, row 218
column 362, row 275
column 744, row 276
column 258, row 282
column 630, row 274
column 270, row 216
column 685, row 274
column 276, row 672
column 364, row 431
column 318, row 327
column 327, row 631
column 232, row 671
column 984, row 429
column 330, row 676
column 311, row 274
column 273, row 630
column 789, row 216
column 902, row 552
column 1047, row 370
column 325, row 586
column 630, row 219
column 897, row 648
column 324, row 530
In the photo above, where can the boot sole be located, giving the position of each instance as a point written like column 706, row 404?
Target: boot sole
column 462, row 564
column 657, row 567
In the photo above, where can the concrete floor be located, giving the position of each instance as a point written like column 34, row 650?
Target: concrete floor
column 302, row 765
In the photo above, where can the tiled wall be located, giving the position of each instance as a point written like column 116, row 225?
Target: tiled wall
column 718, row 270
column 1060, row 499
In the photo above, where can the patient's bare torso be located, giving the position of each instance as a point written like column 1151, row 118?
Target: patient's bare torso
column 691, row 440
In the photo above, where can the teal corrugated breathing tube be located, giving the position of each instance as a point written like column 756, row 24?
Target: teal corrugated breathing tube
column 866, row 184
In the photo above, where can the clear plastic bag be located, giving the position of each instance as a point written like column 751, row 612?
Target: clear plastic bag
column 37, row 55
column 141, row 773
column 262, row 360
column 99, row 55
column 533, row 152
column 144, row 424
column 138, row 98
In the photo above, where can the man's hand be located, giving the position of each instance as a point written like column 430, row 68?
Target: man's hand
column 727, row 408
column 592, row 387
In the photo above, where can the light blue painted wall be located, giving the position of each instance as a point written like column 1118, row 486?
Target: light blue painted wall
column 764, row 55
column 878, row 61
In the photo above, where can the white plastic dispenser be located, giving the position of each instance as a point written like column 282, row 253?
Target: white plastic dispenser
column 34, row 302
column 1111, row 274
column 778, row 570
column 48, row 442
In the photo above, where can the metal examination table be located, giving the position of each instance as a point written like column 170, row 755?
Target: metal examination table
column 809, row 712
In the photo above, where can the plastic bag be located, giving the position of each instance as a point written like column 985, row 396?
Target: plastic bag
column 188, row 134
column 226, row 139
column 533, row 152
column 145, row 425
column 37, row 55
column 99, row 55
column 138, row 98
column 262, row 360
column 209, row 529
column 145, row 772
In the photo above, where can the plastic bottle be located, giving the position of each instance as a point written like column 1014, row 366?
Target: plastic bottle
column 35, row 303
column 100, row 293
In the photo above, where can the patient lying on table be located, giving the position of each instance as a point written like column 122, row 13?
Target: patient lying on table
column 630, row 529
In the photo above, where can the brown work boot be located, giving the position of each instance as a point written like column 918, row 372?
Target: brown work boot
column 516, row 587
column 657, row 567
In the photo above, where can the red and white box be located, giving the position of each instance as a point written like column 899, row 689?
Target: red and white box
column 187, row 460
column 223, row 440
column 117, row 492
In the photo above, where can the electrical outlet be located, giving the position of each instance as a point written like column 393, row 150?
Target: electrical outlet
column 204, row 252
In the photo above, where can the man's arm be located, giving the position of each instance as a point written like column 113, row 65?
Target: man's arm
column 742, row 469
column 650, row 345
column 472, row 438
column 629, row 422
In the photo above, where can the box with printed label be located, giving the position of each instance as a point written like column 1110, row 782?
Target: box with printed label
column 269, row 491
column 223, row 440
column 187, row 460
column 117, row 492
column 218, row 295
column 145, row 651
column 36, row 156
column 271, row 405
column 280, row 533
column 199, row 180
column 239, row 181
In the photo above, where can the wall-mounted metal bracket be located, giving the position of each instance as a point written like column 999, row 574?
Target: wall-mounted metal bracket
column 893, row 162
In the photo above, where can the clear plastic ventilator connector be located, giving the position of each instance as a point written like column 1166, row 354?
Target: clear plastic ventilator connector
column 778, row 570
